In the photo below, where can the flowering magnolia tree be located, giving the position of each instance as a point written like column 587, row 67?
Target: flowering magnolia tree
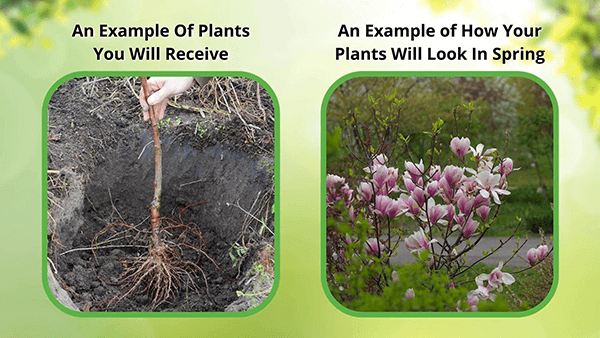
column 452, row 206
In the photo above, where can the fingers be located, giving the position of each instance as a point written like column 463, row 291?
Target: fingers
column 142, row 99
column 159, row 111
column 162, row 88
column 163, row 94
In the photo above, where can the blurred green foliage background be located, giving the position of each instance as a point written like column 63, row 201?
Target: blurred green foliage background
column 22, row 22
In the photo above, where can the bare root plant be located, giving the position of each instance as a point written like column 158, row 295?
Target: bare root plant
column 175, row 249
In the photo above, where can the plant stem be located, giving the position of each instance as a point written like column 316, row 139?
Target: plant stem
column 155, row 205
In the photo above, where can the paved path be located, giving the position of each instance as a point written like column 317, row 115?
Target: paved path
column 403, row 255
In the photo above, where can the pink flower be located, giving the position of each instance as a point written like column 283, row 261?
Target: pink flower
column 489, row 182
column 450, row 212
column 446, row 190
column 394, row 209
column 460, row 147
column 473, row 301
column 482, row 292
column 480, row 200
column 392, row 177
column 535, row 255
column 542, row 251
column 409, row 294
column 465, row 204
column 433, row 188
column 411, row 205
column 415, row 170
column 380, row 176
column 409, row 184
column 496, row 278
column 469, row 228
column 419, row 196
column 333, row 180
column 483, row 212
column 532, row 256
column 379, row 160
column 435, row 212
column 479, row 153
column 373, row 247
column 386, row 179
column 417, row 242
column 338, row 190
column 435, row 173
column 453, row 175
column 382, row 202
column 506, row 167
column 386, row 206
column 365, row 191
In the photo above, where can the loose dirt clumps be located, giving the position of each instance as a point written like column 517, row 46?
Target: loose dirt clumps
column 218, row 186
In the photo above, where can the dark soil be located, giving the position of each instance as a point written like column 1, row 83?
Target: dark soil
column 217, row 169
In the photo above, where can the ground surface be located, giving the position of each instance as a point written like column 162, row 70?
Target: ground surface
column 218, row 166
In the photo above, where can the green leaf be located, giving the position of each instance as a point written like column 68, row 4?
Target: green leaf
column 20, row 26
column 424, row 255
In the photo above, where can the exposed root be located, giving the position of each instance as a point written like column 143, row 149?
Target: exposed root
column 165, row 268
column 159, row 273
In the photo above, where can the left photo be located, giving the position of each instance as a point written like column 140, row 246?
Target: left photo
column 160, row 194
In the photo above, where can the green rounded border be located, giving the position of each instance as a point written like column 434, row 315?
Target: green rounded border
column 323, row 192
column 45, row 209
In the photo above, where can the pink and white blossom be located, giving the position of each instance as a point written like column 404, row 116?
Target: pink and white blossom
column 419, row 196
column 333, row 180
column 412, row 207
column 496, row 278
column 418, row 242
column 483, row 212
column 379, row 160
column 507, row 167
column 469, row 227
column 433, row 188
column 450, row 212
column 435, row 212
column 365, row 191
column 386, row 206
column 489, row 184
column 415, row 170
column 465, row 204
column 453, row 175
column 478, row 152
column 435, row 173
column 338, row 190
column 535, row 255
column 460, row 147
column 409, row 184
column 373, row 247
column 385, row 180
column 409, row 294
column 380, row 176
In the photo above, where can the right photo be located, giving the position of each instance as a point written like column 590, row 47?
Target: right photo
column 440, row 194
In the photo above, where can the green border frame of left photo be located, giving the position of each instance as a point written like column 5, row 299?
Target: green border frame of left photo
column 44, row 208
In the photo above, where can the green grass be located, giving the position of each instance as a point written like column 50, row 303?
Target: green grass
column 527, row 175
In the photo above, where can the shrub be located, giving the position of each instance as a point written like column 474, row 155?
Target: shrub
column 539, row 216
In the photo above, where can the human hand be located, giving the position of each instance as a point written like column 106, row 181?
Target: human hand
column 161, row 89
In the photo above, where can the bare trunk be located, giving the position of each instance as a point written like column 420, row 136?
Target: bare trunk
column 155, row 205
